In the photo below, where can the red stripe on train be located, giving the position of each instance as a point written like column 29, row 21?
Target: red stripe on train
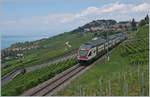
column 83, row 58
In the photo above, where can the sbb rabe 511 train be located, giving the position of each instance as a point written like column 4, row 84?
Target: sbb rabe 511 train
column 92, row 50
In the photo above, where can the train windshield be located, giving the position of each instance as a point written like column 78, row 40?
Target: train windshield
column 83, row 52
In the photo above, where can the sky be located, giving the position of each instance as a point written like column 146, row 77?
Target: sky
column 51, row 17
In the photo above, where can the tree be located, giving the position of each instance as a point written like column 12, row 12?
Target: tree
column 147, row 19
column 133, row 24
column 142, row 22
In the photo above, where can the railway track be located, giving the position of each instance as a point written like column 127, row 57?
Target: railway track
column 55, row 82
column 50, row 87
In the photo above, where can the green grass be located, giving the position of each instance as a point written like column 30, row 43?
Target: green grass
column 49, row 49
column 124, row 77
column 31, row 79
column 120, row 70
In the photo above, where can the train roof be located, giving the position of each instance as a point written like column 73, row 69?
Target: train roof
column 98, row 41
column 94, row 42
column 112, row 37
column 116, row 35
column 119, row 34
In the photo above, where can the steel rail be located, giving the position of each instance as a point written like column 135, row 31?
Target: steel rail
column 52, row 81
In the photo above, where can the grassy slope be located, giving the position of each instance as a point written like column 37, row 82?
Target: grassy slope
column 31, row 79
column 120, row 72
column 52, row 47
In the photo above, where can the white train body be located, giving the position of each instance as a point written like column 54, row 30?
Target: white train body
column 98, row 46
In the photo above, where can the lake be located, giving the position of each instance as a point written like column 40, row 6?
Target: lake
column 6, row 41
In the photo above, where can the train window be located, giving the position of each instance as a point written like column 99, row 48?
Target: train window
column 94, row 51
column 83, row 52
column 90, row 53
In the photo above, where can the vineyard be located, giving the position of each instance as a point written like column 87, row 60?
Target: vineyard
column 127, row 72
column 49, row 49
column 24, row 82
column 135, row 51
column 121, row 83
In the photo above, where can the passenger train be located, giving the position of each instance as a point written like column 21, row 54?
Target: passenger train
column 92, row 50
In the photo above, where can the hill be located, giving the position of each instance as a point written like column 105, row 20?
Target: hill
column 124, row 74
column 41, row 51
column 127, row 72
column 102, row 25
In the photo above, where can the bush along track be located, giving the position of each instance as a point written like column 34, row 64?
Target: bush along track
column 127, row 72
column 24, row 82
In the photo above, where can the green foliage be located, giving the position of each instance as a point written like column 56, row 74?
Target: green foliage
column 133, row 24
column 147, row 19
column 31, row 79
column 127, row 72
column 50, row 48
column 144, row 21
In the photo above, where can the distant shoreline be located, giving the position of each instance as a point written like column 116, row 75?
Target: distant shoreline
column 7, row 41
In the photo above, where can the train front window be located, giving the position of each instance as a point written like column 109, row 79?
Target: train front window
column 83, row 52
